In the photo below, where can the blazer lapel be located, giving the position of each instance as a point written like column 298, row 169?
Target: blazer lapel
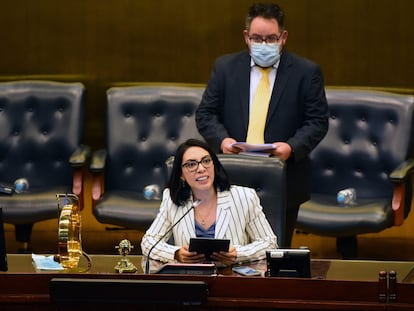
column 243, row 77
column 187, row 223
column 282, row 77
column 224, row 203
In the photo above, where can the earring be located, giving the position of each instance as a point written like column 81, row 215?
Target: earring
column 183, row 183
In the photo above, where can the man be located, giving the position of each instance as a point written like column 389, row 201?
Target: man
column 294, row 118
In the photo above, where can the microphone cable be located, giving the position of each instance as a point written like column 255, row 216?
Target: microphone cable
column 147, row 264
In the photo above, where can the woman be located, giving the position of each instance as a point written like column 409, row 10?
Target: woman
column 224, row 211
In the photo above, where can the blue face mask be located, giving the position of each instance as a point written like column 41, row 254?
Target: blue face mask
column 264, row 55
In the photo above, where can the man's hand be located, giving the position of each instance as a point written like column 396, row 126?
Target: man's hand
column 282, row 150
column 226, row 145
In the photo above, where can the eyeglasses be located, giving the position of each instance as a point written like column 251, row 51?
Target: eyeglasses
column 269, row 40
column 192, row 165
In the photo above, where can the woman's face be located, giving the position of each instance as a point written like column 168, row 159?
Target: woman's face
column 198, row 169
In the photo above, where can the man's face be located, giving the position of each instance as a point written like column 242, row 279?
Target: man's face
column 265, row 29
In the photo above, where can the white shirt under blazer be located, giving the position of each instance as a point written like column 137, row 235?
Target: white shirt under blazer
column 240, row 218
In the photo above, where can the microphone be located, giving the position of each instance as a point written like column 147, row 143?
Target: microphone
column 147, row 266
column 152, row 192
column 20, row 185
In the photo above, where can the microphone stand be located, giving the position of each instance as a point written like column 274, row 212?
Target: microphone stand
column 147, row 264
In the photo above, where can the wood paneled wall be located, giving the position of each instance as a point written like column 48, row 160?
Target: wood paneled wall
column 102, row 42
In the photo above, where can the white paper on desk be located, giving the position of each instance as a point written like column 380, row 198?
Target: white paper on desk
column 246, row 147
column 46, row 262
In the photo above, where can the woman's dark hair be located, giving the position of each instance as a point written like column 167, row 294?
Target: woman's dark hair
column 180, row 191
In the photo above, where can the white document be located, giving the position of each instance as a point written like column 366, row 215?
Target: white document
column 245, row 147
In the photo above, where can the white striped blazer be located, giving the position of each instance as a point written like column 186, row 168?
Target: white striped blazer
column 240, row 218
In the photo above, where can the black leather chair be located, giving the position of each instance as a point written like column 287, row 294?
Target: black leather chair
column 41, row 127
column 145, row 125
column 268, row 177
column 369, row 147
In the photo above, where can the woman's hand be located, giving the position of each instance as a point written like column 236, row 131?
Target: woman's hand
column 185, row 256
column 227, row 258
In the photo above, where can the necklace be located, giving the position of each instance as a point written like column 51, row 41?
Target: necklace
column 203, row 219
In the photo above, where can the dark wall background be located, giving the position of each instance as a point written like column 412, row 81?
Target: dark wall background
column 103, row 42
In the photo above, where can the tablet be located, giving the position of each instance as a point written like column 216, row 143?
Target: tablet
column 207, row 246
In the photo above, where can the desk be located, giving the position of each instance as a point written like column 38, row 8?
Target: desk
column 335, row 285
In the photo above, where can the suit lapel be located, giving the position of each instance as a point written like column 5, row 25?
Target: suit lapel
column 243, row 77
column 282, row 77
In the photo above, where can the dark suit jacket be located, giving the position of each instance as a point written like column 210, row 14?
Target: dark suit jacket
column 298, row 111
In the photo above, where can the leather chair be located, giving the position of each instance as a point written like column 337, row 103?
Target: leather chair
column 268, row 177
column 41, row 126
column 145, row 125
column 369, row 147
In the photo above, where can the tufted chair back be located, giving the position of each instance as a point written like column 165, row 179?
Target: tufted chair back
column 41, row 126
column 145, row 125
column 370, row 134
column 370, row 141
column 268, row 177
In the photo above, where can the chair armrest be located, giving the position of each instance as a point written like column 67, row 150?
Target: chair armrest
column 97, row 168
column 80, row 156
column 399, row 177
column 78, row 160
column 168, row 166
column 402, row 171
column 98, row 161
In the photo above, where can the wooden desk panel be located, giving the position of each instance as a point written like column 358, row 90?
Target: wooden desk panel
column 24, row 288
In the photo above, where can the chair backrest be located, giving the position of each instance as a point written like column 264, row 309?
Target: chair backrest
column 370, row 134
column 145, row 125
column 41, row 124
column 268, row 177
